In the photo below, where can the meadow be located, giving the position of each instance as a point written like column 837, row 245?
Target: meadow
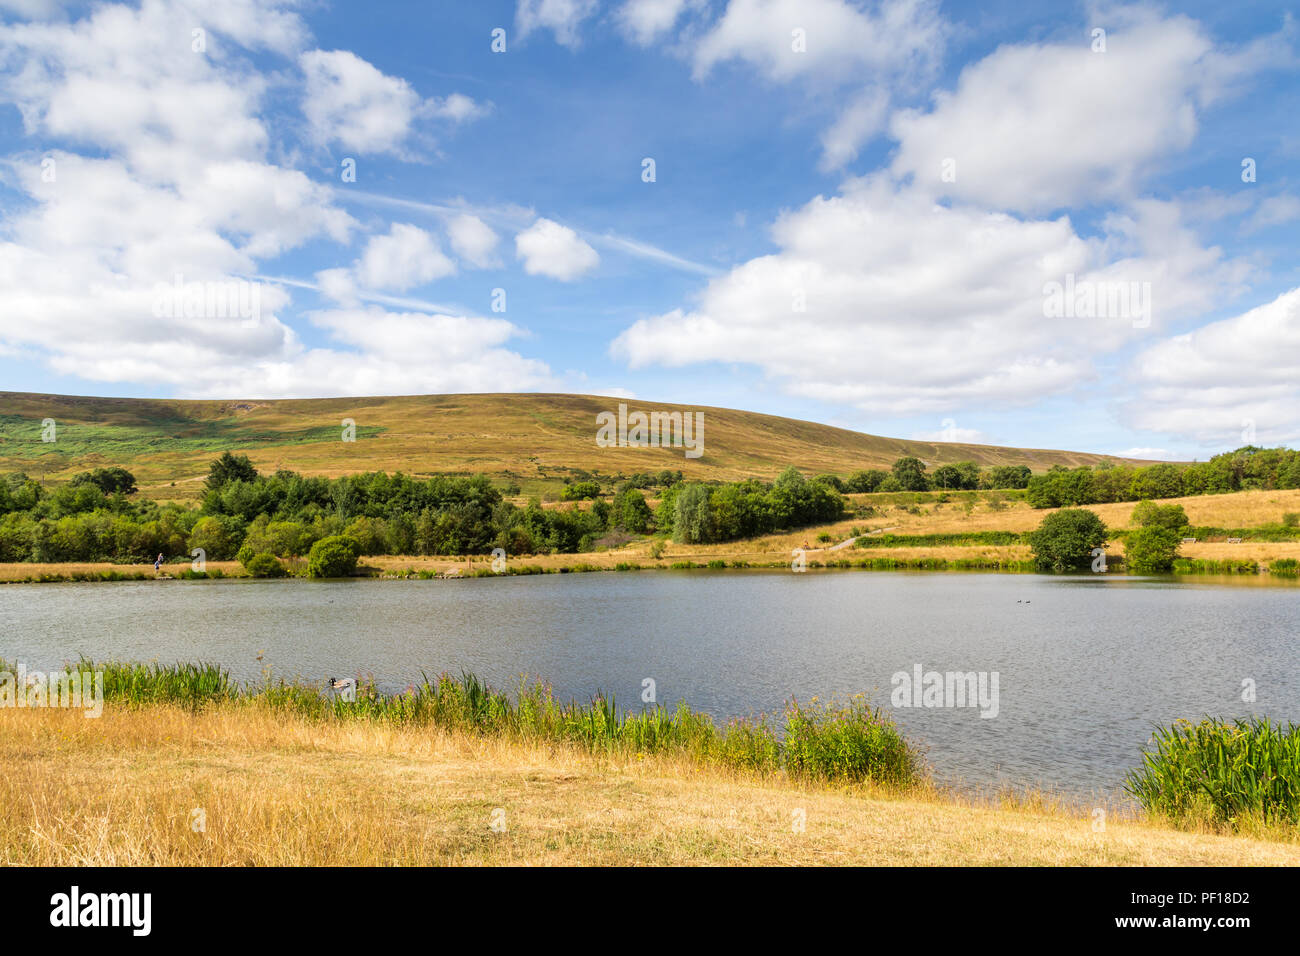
column 185, row 768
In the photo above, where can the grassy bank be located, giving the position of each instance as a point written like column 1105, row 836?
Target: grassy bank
column 165, row 784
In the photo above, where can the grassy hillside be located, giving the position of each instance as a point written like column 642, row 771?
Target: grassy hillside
column 534, row 439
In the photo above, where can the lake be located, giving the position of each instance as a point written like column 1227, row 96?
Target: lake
column 1086, row 665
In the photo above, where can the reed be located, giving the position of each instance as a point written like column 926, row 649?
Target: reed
column 1240, row 774
column 834, row 743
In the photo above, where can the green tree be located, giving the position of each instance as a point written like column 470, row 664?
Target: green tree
column 580, row 490
column 1153, row 547
column 265, row 566
column 866, row 481
column 910, row 474
column 1148, row 514
column 108, row 480
column 1066, row 539
column 333, row 557
column 229, row 468
column 693, row 515
column 630, row 512
column 1009, row 476
column 1150, row 550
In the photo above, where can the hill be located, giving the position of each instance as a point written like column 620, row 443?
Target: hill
column 536, row 440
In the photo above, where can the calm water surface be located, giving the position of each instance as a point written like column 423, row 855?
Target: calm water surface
column 1087, row 665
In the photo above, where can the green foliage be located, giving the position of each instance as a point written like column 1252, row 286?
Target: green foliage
column 580, row 490
column 693, row 517
column 1151, row 550
column 265, row 566
column 630, row 512
column 959, row 476
column 108, row 480
column 866, row 481
column 853, row 742
column 1222, row 773
column 910, row 474
column 1148, row 514
column 1065, row 539
column 333, row 557
column 229, row 468
column 1009, row 476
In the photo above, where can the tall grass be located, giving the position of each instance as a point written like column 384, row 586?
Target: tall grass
column 851, row 743
column 1235, row 773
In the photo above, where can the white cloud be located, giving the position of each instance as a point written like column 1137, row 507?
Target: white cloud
column 861, row 120
column 884, row 47
column 965, row 436
column 561, row 17
column 1274, row 211
column 550, row 249
column 473, row 240
column 911, row 306
column 841, row 39
column 1146, row 454
column 176, row 181
column 408, row 256
column 645, row 21
column 1225, row 381
column 1035, row 127
column 348, row 101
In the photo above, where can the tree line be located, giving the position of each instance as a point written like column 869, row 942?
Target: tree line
column 241, row 514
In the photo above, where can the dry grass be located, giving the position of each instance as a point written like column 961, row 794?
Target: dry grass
column 122, row 790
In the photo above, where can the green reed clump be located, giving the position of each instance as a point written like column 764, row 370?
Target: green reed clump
column 847, row 742
column 1222, row 772
column 189, row 684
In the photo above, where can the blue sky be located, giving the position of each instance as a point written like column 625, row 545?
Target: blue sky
column 857, row 210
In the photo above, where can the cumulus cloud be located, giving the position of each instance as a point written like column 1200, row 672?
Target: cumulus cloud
column 1035, row 127
column 473, row 240
column 134, row 254
column 645, row 21
column 829, row 45
column 408, row 256
column 561, row 17
column 550, row 249
column 348, row 101
column 885, row 300
column 1235, row 381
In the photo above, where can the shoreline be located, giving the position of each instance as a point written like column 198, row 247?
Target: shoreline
column 233, row 785
column 423, row 568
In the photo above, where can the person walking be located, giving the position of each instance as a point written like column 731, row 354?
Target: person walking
column 157, row 562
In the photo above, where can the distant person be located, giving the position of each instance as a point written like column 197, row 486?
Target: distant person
column 157, row 562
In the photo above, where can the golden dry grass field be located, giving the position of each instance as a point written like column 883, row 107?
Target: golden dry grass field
column 534, row 439
column 270, row 790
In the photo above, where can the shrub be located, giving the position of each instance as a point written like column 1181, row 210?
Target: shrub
column 265, row 566
column 1151, row 550
column 1226, row 772
column 333, row 557
column 1065, row 540
column 850, row 743
column 1291, row 519
column 580, row 490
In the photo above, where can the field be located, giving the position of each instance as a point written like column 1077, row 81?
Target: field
column 269, row 790
column 533, row 440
